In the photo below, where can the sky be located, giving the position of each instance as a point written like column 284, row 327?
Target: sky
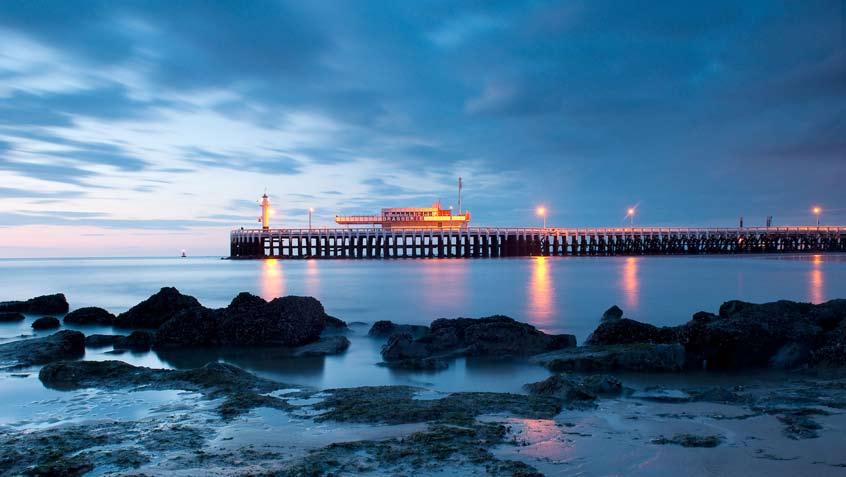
column 131, row 128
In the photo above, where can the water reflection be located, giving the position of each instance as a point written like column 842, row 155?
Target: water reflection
column 541, row 295
column 312, row 278
column 272, row 282
column 630, row 284
column 816, row 292
column 444, row 287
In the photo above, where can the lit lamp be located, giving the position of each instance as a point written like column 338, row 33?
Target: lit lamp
column 630, row 214
column 817, row 211
column 541, row 211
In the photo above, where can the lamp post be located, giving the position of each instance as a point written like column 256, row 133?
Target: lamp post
column 310, row 211
column 541, row 211
column 631, row 213
column 817, row 211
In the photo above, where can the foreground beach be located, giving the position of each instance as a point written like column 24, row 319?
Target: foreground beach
column 631, row 392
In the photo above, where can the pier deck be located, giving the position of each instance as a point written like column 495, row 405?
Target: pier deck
column 485, row 242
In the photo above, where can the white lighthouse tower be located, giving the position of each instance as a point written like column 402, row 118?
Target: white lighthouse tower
column 265, row 212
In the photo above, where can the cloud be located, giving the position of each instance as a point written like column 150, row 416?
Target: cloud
column 590, row 105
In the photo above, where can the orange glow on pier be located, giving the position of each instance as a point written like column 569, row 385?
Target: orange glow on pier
column 415, row 218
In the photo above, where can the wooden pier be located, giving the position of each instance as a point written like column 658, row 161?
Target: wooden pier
column 491, row 242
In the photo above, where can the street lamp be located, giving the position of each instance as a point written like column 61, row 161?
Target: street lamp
column 630, row 214
column 310, row 211
column 817, row 211
column 541, row 211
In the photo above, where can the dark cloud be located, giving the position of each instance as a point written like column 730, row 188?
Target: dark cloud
column 593, row 105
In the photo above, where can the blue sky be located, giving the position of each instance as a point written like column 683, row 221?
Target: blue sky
column 137, row 127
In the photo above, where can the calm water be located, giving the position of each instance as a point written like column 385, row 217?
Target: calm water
column 560, row 295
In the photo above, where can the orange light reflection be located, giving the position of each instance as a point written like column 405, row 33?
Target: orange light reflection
column 816, row 290
column 272, row 283
column 541, row 296
column 312, row 278
column 630, row 284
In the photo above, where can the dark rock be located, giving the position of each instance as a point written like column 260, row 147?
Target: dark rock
column 799, row 426
column 632, row 357
column 561, row 387
column 780, row 334
column 497, row 336
column 397, row 405
column 402, row 346
column 612, row 314
column 136, row 341
column 323, row 347
column 249, row 320
column 602, row 385
column 690, row 440
column 90, row 315
column 154, row 311
column 385, row 328
column 46, row 323
column 10, row 316
column 242, row 391
column 335, row 323
column 829, row 315
column 750, row 335
column 192, row 327
column 661, row 394
column 832, row 348
column 40, row 305
column 626, row 331
column 287, row 321
column 102, row 341
column 417, row 364
column 64, row 344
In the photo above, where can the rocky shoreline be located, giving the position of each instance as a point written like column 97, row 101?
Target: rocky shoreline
column 465, row 432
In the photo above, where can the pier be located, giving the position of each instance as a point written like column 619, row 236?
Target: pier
column 495, row 242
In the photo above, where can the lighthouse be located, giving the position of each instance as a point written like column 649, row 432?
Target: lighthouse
column 265, row 212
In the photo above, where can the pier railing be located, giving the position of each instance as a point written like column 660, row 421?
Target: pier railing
column 374, row 242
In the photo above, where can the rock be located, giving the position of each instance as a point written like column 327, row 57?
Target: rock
column 242, row 391
column 780, row 334
column 690, row 440
column 46, row 323
column 102, row 341
column 90, row 315
column 248, row 320
column 386, row 328
column 497, row 336
column 660, row 394
column 603, row 385
column 402, row 346
column 154, row 311
column 11, row 316
column 749, row 335
column 192, row 327
column 40, row 305
column 61, row 345
column 323, row 347
column 632, row 357
column 626, row 331
column 399, row 405
column 799, row 426
column 287, row 321
column 136, row 341
column 417, row 364
column 832, row 348
column 335, row 323
column 612, row 314
column 561, row 387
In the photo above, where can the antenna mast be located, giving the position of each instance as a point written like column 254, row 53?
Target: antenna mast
column 459, row 195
